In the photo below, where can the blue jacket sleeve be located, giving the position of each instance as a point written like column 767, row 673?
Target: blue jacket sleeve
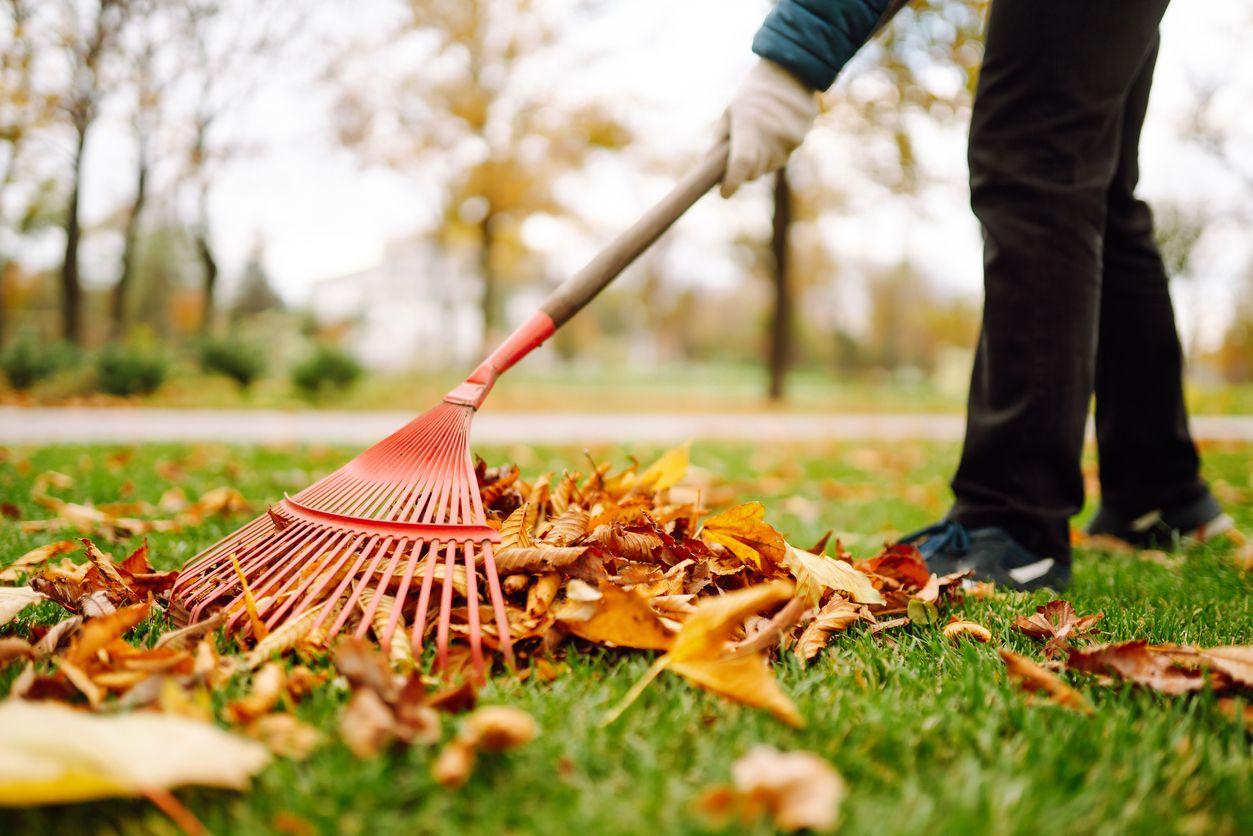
column 814, row 39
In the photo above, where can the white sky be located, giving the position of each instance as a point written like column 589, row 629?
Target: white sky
column 670, row 66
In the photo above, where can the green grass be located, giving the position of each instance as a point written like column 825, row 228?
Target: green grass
column 930, row 737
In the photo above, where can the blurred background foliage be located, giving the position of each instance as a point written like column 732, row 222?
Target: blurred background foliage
column 461, row 96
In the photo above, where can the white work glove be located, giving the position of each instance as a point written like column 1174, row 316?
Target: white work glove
column 765, row 121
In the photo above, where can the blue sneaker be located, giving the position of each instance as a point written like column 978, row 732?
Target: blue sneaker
column 990, row 553
column 1166, row 528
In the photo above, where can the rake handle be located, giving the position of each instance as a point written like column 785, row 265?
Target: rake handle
column 584, row 286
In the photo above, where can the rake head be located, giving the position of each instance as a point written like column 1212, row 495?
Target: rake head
column 403, row 517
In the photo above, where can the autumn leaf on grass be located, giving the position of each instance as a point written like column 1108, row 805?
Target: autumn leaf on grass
column 618, row 618
column 1032, row 678
column 14, row 599
column 492, row 728
column 815, row 574
column 1056, row 623
column 797, row 790
column 835, row 616
column 36, row 558
column 1141, row 663
column 53, row 754
column 958, row 629
column 382, row 709
column 699, row 654
column 744, row 532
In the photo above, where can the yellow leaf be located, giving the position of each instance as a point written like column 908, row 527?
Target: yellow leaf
column 35, row 558
column 619, row 618
column 743, row 531
column 745, row 679
column 53, row 754
column 667, row 471
column 815, row 573
column 837, row 615
column 706, row 631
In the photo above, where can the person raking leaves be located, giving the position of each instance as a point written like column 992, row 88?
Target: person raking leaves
column 1076, row 296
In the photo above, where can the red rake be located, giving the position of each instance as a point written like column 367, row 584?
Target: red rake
column 406, row 512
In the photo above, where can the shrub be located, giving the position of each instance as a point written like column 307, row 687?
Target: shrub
column 29, row 361
column 129, row 370
column 326, row 370
column 238, row 361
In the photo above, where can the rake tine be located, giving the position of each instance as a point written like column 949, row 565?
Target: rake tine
column 380, row 589
column 424, row 599
column 472, row 613
column 338, row 624
column 498, row 606
column 445, row 610
column 371, row 544
column 401, row 593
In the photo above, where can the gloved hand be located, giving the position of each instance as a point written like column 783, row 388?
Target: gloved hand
column 765, row 121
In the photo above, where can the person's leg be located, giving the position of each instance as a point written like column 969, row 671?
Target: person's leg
column 1044, row 147
column 1147, row 459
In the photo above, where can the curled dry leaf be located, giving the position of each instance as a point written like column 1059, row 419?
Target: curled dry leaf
column 54, row 754
column 796, row 790
column 835, row 616
column 13, row 648
column 285, row 735
column 1032, row 678
column 268, row 687
column 958, row 629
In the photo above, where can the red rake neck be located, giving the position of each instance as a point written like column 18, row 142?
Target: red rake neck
column 529, row 336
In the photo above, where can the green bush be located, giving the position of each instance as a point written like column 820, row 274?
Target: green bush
column 238, row 361
column 324, row 371
column 29, row 361
column 129, row 370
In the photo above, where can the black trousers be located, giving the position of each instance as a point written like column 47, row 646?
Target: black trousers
column 1076, row 297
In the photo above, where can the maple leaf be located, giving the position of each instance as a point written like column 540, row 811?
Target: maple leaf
column 1056, row 623
column 1141, row 663
column 743, row 531
column 797, row 790
column 54, row 754
column 1032, row 678
column 815, row 574
column 699, row 654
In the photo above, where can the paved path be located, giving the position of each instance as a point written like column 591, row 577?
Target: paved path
column 75, row 425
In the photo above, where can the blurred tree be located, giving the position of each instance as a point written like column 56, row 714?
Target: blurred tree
column 87, row 34
column 228, row 48
column 1234, row 357
column 149, row 71
column 25, row 109
column 255, row 295
column 459, row 105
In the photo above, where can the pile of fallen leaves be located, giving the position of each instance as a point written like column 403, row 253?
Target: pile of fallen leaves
column 628, row 559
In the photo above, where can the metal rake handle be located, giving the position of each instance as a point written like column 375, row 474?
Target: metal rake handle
column 584, row 286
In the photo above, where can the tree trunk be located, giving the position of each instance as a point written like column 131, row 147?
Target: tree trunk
column 71, row 292
column 208, row 263
column 130, row 243
column 491, row 282
column 780, row 349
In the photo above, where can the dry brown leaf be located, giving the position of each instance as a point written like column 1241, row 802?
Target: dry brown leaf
column 36, row 558
column 835, row 616
column 490, row 728
column 98, row 632
column 796, row 790
column 14, row 599
column 1032, row 678
column 51, row 641
column 743, row 531
column 269, row 685
column 55, row 755
column 1056, row 623
column 13, row 648
column 285, row 735
column 1139, row 662
column 537, row 559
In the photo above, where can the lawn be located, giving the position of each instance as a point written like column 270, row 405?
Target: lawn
column 929, row 736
